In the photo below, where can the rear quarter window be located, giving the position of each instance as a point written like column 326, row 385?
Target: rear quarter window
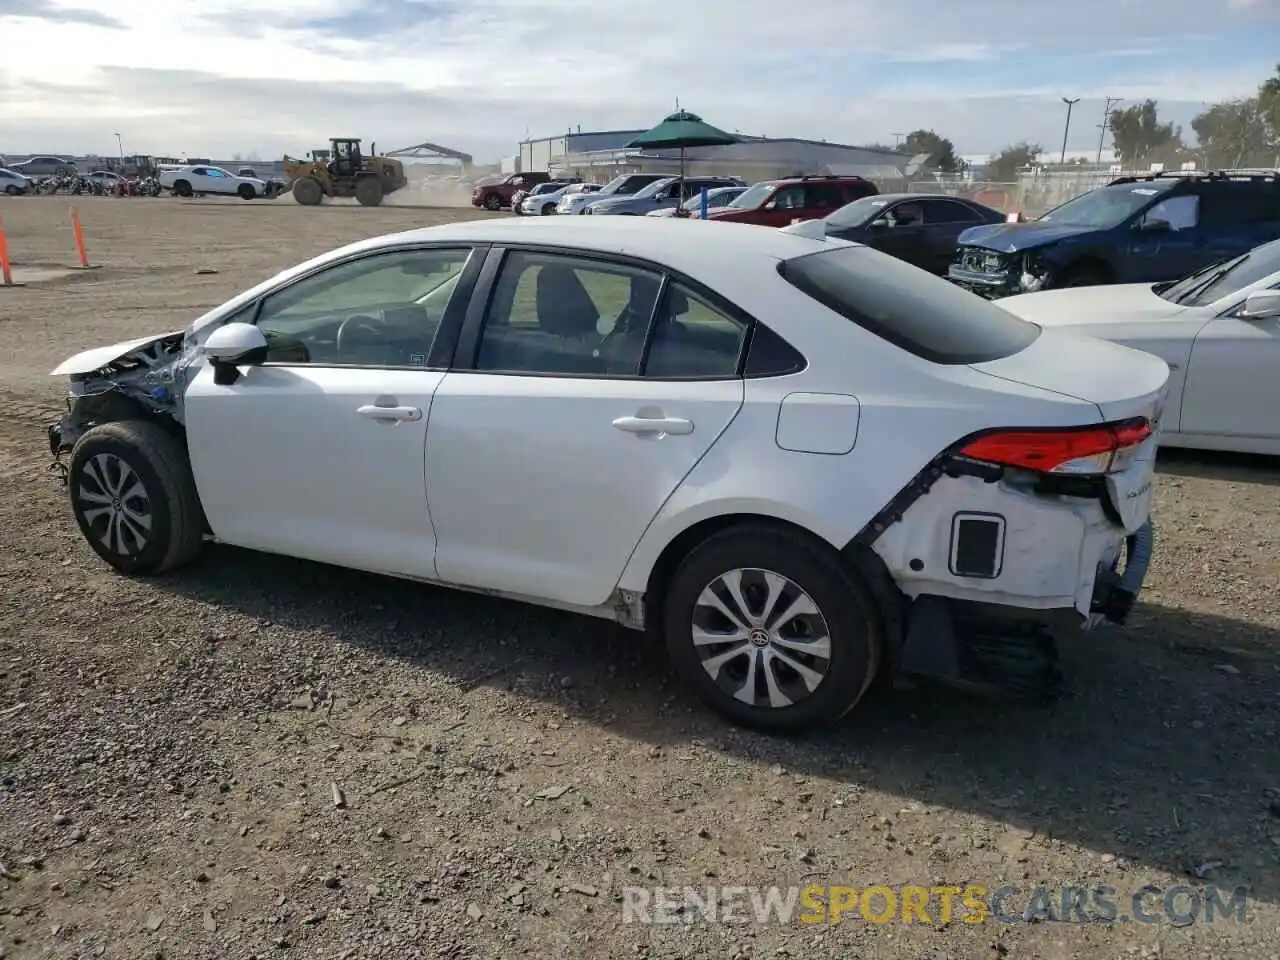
column 923, row 314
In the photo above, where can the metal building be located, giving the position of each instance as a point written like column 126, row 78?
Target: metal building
column 541, row 155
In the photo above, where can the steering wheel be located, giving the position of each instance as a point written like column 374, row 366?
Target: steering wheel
column 361, row 322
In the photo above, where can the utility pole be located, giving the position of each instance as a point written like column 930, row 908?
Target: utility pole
column 1070, row 102
column 1106, row 117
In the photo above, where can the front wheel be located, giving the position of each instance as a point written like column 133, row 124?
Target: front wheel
column 12, row 191
column 493, row 202
column 246, row 191
column 771, row 630
column 134, row 497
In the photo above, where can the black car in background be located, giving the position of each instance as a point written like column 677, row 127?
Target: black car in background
column 920, row 228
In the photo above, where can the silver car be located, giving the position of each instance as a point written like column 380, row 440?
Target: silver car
column 716, row 198
column 659, row 195
column 44, row 166
column 13, row 183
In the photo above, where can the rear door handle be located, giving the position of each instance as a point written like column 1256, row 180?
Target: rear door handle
column 673, row 425
column 375, row 412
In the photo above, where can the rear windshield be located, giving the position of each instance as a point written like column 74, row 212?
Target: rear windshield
column 917, row 311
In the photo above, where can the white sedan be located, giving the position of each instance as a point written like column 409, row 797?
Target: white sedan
column 196, row 179
column 1219, row 332
column 798, row 460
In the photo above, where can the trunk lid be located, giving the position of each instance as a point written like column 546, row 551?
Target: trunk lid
column 1119, row 381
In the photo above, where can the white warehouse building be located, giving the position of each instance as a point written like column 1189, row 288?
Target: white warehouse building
column 600, row 155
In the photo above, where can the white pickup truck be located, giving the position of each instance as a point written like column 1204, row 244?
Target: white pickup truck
column 196, row 179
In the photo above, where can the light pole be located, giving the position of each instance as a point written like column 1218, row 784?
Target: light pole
column 1070, row 102
column 120, row 147
column 1106, row 116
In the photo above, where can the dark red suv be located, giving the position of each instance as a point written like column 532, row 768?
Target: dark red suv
column 777, row 203
column 495, row 196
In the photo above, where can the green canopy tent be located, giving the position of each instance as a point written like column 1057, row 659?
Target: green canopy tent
column 680, row 131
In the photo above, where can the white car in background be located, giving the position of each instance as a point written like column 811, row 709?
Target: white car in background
column 191, row 180
column 544, row 204
column 1219, row 332
column 798, row 460
column 13, row 184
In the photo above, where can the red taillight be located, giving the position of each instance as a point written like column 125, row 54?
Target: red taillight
column 1079, row 450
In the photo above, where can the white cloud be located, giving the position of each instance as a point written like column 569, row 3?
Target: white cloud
column 231, row 75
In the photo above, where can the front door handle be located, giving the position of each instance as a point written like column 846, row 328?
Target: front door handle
column 644, row 425
column 375, row 412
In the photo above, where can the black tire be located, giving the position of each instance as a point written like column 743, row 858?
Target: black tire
column 246, row 192
column 12, row 191
column 307, row 191
column 493, row 202
column 548, row 209
column 182, row 188
column 158, row 461
column 369, row 191
column 846, row 605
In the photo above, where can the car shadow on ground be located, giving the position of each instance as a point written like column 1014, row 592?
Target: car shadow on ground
column 1232, row 467
column 1162, row 753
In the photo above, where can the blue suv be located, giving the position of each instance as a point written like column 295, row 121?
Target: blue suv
column 1134, row 230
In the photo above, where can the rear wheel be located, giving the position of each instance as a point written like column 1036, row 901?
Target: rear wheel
column 369, row 191
column 771, row 629
column 307, row 191
column 182, row 188
column 134, row 497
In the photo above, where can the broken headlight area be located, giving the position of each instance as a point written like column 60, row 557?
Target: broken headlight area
column 1033, row 273
column 144, row 383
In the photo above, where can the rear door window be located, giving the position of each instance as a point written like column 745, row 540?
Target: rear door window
column 923, row 314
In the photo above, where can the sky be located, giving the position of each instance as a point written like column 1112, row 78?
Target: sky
column 258, row 79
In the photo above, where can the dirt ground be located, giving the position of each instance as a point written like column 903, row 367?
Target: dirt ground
column 171, row 750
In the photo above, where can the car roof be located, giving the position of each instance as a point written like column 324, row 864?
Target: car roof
column 671, row 242
column 819, row 179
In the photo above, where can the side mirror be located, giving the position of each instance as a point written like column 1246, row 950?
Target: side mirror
column 1155, row 226
column 231, row 346
column 880, row 223
column 1261, row 305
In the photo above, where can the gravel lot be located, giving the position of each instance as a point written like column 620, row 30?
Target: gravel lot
column 265, row 757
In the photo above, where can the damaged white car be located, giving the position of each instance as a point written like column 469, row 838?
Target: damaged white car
column 801, row 462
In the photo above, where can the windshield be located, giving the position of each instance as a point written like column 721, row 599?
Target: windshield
column 1104, row 207
column 653, row 189
column 613, row 185
column 753, row 196
column 856, row 214
column 1224, row 278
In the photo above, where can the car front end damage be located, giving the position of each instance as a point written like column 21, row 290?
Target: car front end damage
column 1008, row 539
column 142, row 379
column 993, row 274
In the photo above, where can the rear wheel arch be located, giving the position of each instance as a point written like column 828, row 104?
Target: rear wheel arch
column 842, row 601
column 686, row 541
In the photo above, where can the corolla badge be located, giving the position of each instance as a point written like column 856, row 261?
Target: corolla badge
column 1137, row 492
